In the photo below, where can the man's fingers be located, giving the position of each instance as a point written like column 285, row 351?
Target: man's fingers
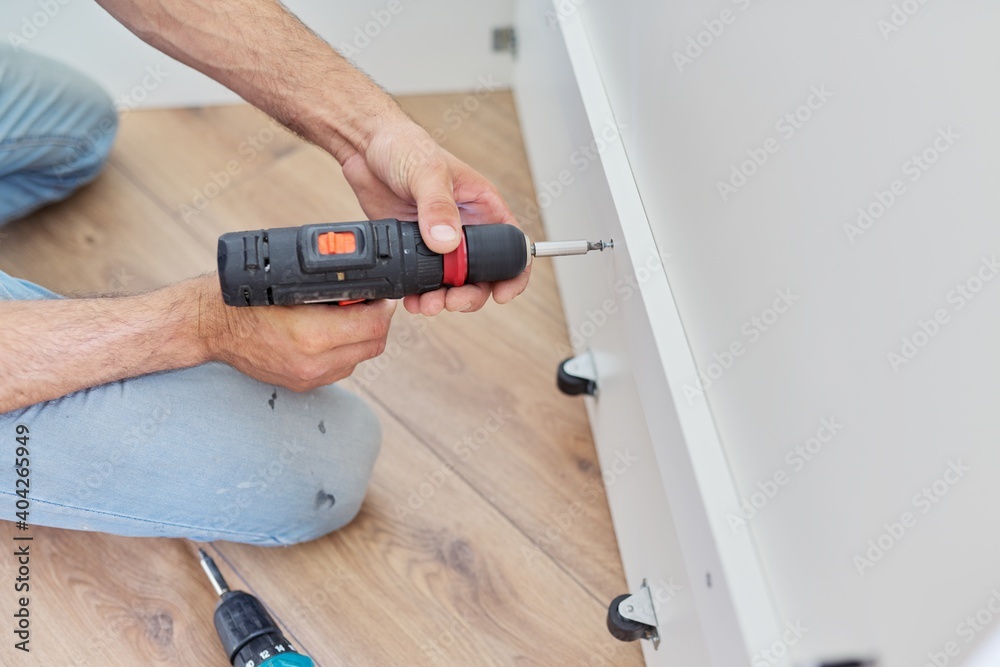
column 317, row 329
column 432, row 303
column 412, row 304
column 505, row 291
column 467, row 298
column 376, row 198
column 332, row 366
column 437, row 212
column 349, row 356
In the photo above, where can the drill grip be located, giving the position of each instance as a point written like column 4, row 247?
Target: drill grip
column 250, row 636
column 349, row 261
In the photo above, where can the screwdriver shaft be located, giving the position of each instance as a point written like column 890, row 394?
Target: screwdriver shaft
column 218, row 582
column 559, row 248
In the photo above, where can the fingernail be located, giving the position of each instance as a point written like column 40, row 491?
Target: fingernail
column 443, row 233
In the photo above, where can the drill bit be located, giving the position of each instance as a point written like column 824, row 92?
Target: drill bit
column 218, row 582
column 559, row 248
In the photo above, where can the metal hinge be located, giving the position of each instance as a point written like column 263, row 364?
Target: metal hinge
column 505, row 39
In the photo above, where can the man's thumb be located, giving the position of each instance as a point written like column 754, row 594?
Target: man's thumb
column 437, row 213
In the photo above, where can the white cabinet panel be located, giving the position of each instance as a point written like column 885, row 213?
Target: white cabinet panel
column 667, row 506
column 823, row 180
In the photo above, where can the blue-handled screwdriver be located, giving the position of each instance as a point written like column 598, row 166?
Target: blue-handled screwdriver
column 248, row 634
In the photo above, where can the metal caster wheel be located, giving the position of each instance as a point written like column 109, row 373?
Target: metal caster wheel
column 577, row 375
column 632, row 617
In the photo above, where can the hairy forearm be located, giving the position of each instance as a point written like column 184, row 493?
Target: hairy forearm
column 52, row 348
column 266, row 55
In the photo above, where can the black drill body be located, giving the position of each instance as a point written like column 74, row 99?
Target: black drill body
column 246, row 630
column 249, row 636
column 350, row 261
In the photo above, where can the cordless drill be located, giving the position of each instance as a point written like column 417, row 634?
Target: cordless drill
column 346, row 262
column 248, row 634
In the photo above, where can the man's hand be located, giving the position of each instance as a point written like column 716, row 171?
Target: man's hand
column 261, row 51
column 52, row 348
column 403, row 173
column 297, row 347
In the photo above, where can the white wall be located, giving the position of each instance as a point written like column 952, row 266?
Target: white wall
column 425, row 46
column 856, row 294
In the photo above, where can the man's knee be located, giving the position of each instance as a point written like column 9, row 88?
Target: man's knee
column 97, row 140
column 93, row 137
column 62, row 131
column 329, row 495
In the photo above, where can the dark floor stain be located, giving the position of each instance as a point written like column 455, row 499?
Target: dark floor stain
column 462, row 558
column 274, row 397
column 457, row 555
column 322, row 427
column 322, row 497
column 158, row 627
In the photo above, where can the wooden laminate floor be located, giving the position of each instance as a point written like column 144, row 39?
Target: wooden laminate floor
column 488, row 569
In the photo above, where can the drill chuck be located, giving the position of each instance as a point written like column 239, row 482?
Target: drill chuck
column 249, row 635
column 496, row 252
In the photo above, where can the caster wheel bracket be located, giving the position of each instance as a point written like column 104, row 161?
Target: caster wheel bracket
column 632, row 617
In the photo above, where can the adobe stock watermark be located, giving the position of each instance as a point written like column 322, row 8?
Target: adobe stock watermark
column 459, row 112
column 787, row 125
column 436, row 648
column 796, row 459
column 120, row 280
column 581, row 158
column 923, row 501
column 34, row 23
column 752, row 330
column 711, row 30
column 777, row 652
column 464, row 449
column 221, row 179
column 967, row 630
column 624, row 289
column 405, row 336
column 99, row 470
column 365, row 34
column 913, row 168
column 323, row 597
column 957, row 298
column 590, row 492
column 257, row 484
column 152, row 78
column 456, row 114
column 899, row 16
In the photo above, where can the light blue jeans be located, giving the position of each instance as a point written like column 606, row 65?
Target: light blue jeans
column 205, row 453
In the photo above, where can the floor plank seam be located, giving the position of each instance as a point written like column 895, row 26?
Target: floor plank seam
column 561, row 566
column 250, row 589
